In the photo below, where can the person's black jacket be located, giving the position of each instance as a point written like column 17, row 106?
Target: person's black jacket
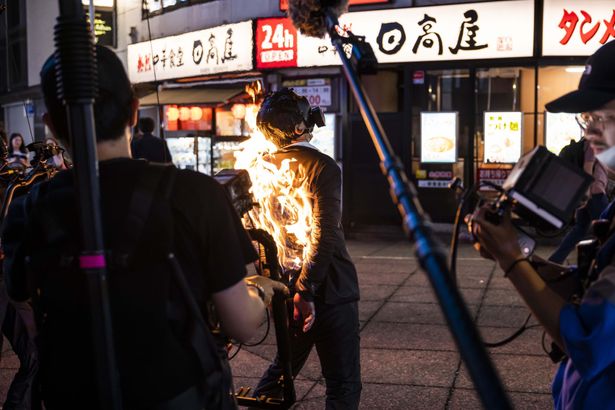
column 329, row 273
column 151, row 148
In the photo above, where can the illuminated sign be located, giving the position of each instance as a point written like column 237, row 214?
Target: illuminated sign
column 219, row 49
column 576, row 27
column 284, row 3
column 317, row 90
column 439, row 137
column 276, row 43
column 503, row 131
column 323, row 138
column 561, row 128
column 467, row 31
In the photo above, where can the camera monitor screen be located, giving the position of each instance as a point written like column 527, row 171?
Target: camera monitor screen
column 546, row 186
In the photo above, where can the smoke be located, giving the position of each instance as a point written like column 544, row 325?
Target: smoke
column 309, row 15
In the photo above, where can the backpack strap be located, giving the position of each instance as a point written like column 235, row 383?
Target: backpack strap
column 139, row 209
column 157, row 183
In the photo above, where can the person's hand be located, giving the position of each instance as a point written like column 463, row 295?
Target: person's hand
column 497, row 242
column 269, row 286
column 304, row 310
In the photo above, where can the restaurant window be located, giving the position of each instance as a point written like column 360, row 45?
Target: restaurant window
column 14, row 73
column 556, row 130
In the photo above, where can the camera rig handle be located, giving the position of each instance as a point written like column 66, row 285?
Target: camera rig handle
column 41, row 170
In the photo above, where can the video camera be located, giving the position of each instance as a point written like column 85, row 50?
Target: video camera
column 43, row 151
column 542, row 189
column 237, row 184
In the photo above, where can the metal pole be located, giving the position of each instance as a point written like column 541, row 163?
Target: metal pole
column 92, row 17
column 430, row 254
column 76, row 72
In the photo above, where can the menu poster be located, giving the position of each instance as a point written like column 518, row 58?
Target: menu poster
column 503, row 131
column 323, row 138
column 561, row 128
column 439, row 137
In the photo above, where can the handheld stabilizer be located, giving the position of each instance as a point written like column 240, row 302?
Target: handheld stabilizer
column 237, row 185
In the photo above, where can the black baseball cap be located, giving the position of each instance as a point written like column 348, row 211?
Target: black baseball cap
column 597, row 85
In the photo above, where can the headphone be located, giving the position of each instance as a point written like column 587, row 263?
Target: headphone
column 282, row 111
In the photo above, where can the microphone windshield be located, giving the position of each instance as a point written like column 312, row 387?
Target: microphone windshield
column 309, row 15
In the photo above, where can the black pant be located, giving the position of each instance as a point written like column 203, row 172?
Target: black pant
column 336, row 337
column 17, row 321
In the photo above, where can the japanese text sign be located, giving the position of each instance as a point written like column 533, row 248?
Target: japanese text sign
column 452, row 32
column 503, row 133
column 216, row 50
column 561, row 128
column 577, row 27
column 284, row 3
column 439, row 137
column 316, row 90
column 276, row 43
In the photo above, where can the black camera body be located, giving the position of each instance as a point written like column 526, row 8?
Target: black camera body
column 43, row 151
column 543, row 190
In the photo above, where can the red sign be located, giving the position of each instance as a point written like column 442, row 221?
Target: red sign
column 276, row 43
column 284, row 3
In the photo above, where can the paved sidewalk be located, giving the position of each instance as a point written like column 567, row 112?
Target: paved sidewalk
column 408, row 358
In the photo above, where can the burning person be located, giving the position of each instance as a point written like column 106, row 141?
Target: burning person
column 326, row 290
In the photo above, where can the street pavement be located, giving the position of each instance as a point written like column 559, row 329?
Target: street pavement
column 408, row 357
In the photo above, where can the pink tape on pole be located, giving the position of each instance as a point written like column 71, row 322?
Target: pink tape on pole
column 92, row 261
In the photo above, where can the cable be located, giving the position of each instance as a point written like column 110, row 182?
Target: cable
column 236, row 352
column 266, row 332
column 515, row 335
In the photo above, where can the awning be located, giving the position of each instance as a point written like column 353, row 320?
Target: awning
column 191, row 96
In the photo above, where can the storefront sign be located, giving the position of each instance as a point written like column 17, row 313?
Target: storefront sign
column 104, row 25
column 216, row 50
column 503, row 29
column 317, row 90
column 561, row 128
column 577, row 27
column 431, row 183
column 438, row 137
column 496, row 176
column 276, row 43
column 284, row 3
column 503, row 133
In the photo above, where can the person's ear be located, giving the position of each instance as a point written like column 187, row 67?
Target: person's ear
column 300, row 128
column 134, row 112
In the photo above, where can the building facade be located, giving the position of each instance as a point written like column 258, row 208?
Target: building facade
column 460, row 88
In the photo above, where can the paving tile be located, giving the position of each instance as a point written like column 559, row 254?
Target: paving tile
column 248, row 364
column 429, row 369
column 529, row 342
column 367, row 309
column 370, row 293
column 407, row 336
column 519, row 373
column 302, row 386
column 508, row 297
column 381, row 278
column 503, row 316
column 425, row 313
column 425, row 294
column 367, row 265
column 400, row 397
column 463, row 399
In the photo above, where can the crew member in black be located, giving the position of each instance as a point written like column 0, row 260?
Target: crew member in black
column 149, row 147
column 157, row 369
column 327, row 290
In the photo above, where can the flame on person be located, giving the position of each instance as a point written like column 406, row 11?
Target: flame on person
column 284, row 204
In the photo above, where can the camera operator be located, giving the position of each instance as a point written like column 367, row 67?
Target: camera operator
column 326, row 289
column 584, row 331
column 190, row 216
